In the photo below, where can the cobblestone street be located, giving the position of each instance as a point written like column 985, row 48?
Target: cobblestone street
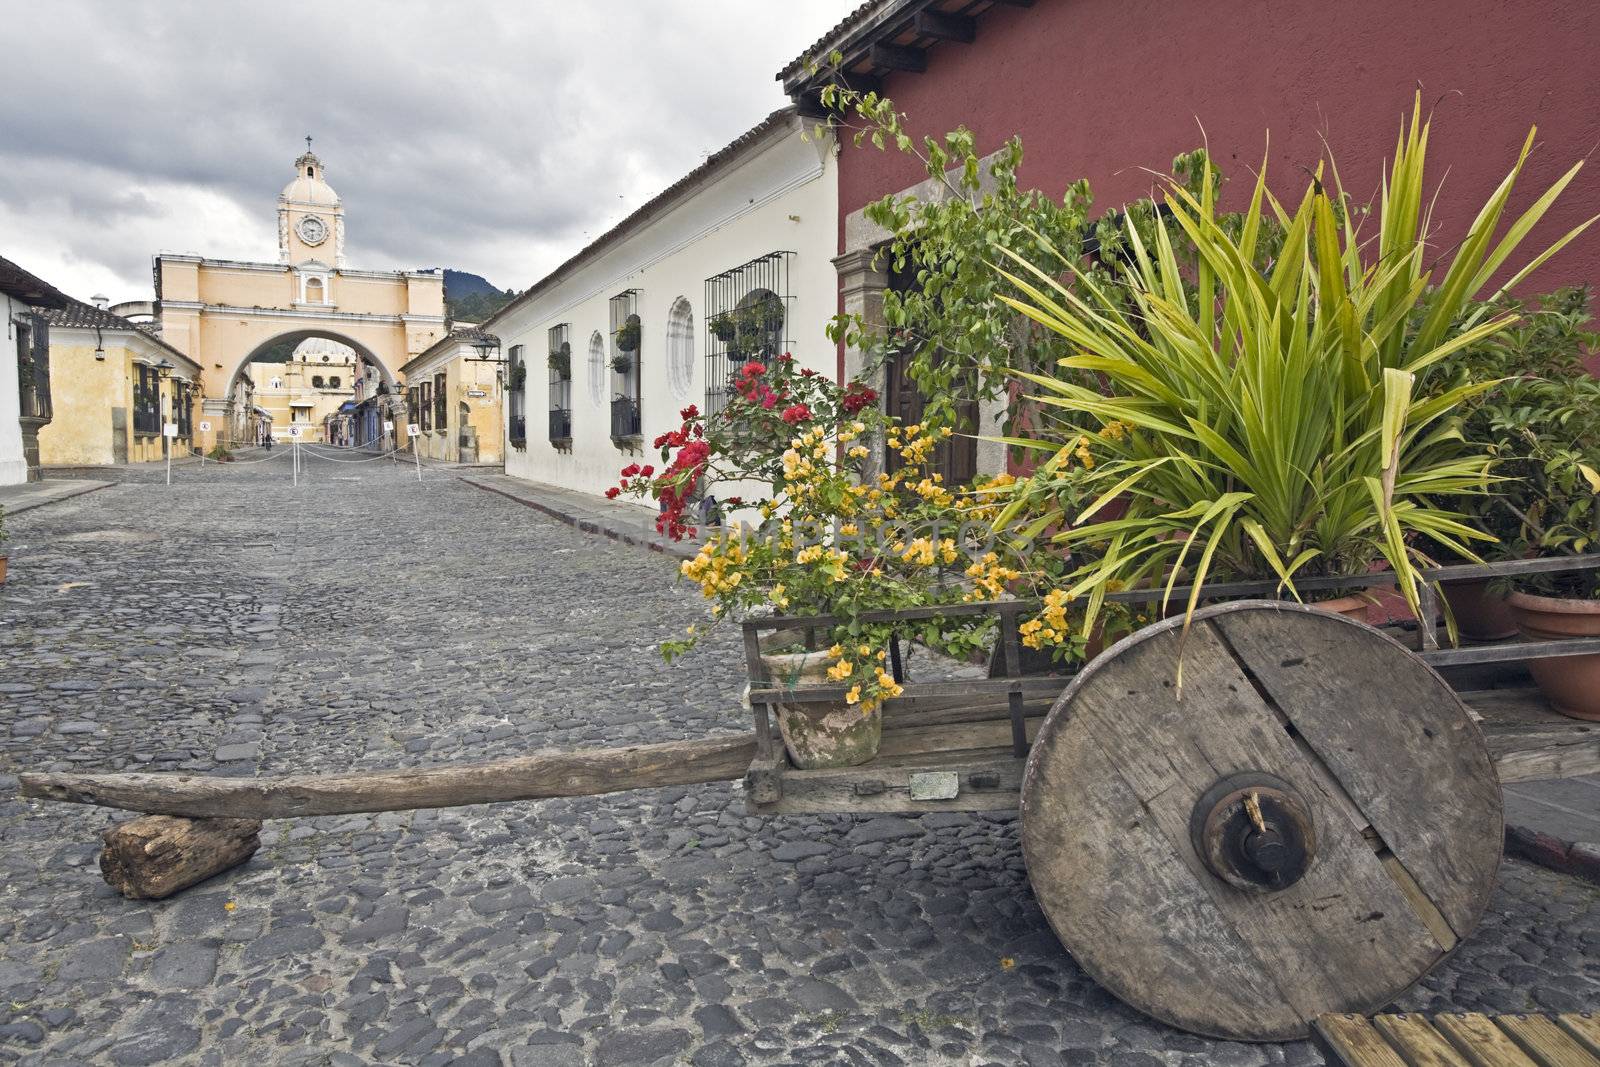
column 236, row 624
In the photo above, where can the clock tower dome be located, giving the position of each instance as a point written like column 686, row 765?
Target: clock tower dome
column 310, row 216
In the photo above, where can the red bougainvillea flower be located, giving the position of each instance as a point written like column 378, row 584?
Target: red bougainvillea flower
column 796, row 414
column 647, row 470
column 735, row 501
column 807, row 372
column 689, row 412
column 613, row 493
column 754, row 369
column 858, row 396
column 630, row 470
column 786, row 358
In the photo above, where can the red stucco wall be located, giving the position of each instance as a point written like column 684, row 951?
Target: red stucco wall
column 1103, row 88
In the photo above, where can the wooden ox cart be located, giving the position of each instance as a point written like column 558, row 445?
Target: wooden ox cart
column 1309, row 827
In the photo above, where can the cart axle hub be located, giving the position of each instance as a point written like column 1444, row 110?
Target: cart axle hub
column 1254, row 831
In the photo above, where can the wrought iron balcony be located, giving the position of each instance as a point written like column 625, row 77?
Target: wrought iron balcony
column 560, row 425
column 624, row 417
column 519, row 431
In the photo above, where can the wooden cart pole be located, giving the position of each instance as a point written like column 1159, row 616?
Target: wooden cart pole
column 547, row 774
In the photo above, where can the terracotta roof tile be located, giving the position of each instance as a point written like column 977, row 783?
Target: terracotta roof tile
column 31, row 290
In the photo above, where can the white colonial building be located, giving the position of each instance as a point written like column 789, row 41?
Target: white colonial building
column 24, row 371
column 605, row 351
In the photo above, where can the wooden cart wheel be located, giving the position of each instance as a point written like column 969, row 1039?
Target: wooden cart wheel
column 1311, row 827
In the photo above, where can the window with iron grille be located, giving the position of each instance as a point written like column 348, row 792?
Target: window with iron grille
column 517, row 416
column 560, row 361
column 183, row 414
column 413, row 409
column 747, row 318
column 627, row 350
column 440, row 400
column 33, row 366
column 146, row 399
column 425, row 401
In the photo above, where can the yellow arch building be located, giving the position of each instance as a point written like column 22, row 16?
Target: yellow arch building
column 224, row 313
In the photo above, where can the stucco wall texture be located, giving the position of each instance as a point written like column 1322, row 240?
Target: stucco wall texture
column 1105, row 88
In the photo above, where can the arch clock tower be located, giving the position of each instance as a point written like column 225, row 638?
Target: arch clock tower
column 310, row 216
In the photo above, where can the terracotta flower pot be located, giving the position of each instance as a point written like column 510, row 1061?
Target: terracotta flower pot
column 1479, row 613
column 1356, row 605
column 820, row 734
column 1571, row 683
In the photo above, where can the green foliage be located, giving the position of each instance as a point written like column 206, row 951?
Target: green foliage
column 518, row 376
column 1541, row 426
column 951, row 319
column 1263, row 421
column 622, row 362
column 751, row 331
column 561, row 361
column 628, row 335
column 477, row 306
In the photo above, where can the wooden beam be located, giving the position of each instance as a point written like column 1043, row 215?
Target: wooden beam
column 899, row 57
column 154, row 856
column 547, row 774
column 937, row 24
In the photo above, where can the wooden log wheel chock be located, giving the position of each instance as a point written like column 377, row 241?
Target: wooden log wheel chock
column 1254, row 831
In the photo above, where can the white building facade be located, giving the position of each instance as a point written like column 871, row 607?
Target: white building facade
column 757, row 222
column 24, row 370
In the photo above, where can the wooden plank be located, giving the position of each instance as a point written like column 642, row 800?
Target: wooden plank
column 911, row 717
column 989, row 733
column 1516, row 567
column 1511, row 651
column 1546, row 1043
column 898, row 57
column 550, row 774
column 988, row 782
column 940, row 26
column 1480, row 1042
column 1419, row 1044
column 1343, row 938
column 1584, row 1028
column 963, row 688
column 1348, row 1040
column 1396, row 737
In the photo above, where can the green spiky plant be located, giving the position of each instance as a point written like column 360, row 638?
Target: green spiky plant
column 1266, row 426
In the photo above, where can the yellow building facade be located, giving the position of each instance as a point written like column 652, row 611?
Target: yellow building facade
column 119, row 389
column 313, row 383
column 454, row 397
column 223, row 314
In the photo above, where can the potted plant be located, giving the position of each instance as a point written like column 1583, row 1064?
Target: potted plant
column 831, row 539
column 1261, row 419
column 628, row 335
column 622, row 362
column 1539, row 406
column 561, row 360
column 1546, row 502
column 519, row 375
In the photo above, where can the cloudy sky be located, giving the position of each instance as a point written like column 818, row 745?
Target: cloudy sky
column 495, row 137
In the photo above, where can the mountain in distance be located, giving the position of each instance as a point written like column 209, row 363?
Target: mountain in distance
column 471, row 297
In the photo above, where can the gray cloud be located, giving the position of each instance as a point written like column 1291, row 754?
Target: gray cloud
column 496, row 138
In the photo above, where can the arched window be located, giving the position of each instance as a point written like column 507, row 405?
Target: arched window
column 680, row 349
column 598, row 370
column 333, row 383
column 277, row 383
column 316, row 381
column 314, row 292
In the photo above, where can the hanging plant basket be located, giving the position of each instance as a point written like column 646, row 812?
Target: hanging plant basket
column 561, row 361
column 628, row 335
column 519, row 375
column 622, row 363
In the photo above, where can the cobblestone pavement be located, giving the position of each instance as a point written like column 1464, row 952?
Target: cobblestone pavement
column 235, row 624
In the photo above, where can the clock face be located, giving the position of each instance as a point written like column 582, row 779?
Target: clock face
column 312, row 230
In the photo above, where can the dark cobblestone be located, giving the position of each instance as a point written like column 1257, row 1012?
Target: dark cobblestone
column 235, row 622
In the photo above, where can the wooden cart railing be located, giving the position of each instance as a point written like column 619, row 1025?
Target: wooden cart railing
column 973, row 735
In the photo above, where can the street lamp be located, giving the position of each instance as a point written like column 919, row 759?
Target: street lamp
column 165, row 368
column 488, row 346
